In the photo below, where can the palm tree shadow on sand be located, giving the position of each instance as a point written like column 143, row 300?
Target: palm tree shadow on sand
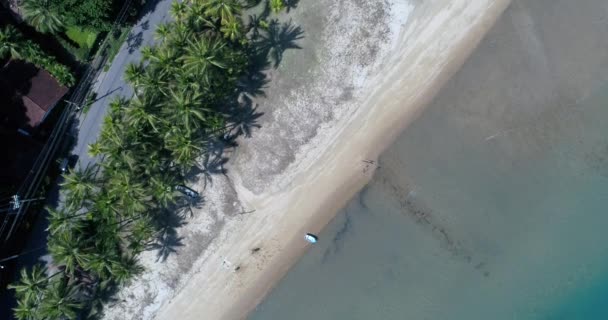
column 242, row 114
column 279, row 38
column 167, row 241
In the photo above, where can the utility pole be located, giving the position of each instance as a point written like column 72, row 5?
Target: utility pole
column 71, row 103
column 16, row 202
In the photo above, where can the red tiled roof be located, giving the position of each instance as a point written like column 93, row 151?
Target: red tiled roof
column 33, row 88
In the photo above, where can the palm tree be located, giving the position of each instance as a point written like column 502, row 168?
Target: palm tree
column 225, row 10
column 124, row 269
column 134, row 73
column 198, row 20
column 61, row 301
column 185, row 108
column 27, row 309
column 101, row 264
column 111, row 136
column 204, row 55
column 185, row 149
column 61, row 221
column 139, row 114
column 179, row 10
column 11, row 42
column 67, row 248
column 277, row 5
column 232, row 30
column 179, row 36
column 163, row 31
column 154, row 79
column 129, row 193
column 162, row 189
column 31, row 285
column 41, row 16
column 165, row 60
column 95, row 149
column 147, row 52
column 79, row 184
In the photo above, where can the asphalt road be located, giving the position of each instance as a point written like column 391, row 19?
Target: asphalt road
column 111, row 84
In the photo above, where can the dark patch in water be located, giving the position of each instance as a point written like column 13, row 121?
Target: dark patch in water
column 338, row 240
column 426, row 218
column 362, row 197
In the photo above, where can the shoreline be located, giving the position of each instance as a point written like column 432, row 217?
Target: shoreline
column 429, row 51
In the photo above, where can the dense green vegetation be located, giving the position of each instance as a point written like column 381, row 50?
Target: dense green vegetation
column 13, row 45
column 79, row 42
column 84, row 38
column 74, row 23
column 185, row 102
column 54, row 15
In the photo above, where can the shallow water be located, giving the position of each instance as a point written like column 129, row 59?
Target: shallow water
column 492, row 205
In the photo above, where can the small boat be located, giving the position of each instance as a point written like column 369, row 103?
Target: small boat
column 311, row 238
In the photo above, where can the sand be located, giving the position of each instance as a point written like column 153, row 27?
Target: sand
column 365, row 71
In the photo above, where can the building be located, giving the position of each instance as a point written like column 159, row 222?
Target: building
column 27, row 94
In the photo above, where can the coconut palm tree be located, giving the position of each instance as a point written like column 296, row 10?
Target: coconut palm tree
column 129, row 193
column 277, row 5
column 178, row 10
column 101, row 263
column 124, row 269
column 203, row 56
column 141, row 230
column 139, row 114
column 40, row 15
column 165, row 60
column 111, row 136
column 232, row 30
column 154, row 80
column 61, row 300
column 61, row 221
column 11, row 42
column 185, row 108
column 199, row 21
column 179, row 36
column 185, row 148
column 68, row 249
column 118, row 104
column 79, row 184
column 148, row 51
column 162, row 189
column 163, row 31
column 27, row 309
column 31, row 285
column 95, row 149
column 225, row 10
column 134, row 73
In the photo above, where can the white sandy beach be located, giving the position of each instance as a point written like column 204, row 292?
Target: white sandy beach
column 329, row 107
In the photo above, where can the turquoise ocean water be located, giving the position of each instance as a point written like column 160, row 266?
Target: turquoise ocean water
column 494, row 203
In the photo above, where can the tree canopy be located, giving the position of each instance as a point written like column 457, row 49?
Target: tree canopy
column 14, row 46
column 186, row 93
column 52, row 15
